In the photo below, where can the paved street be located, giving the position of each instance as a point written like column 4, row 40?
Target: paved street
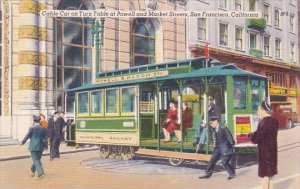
column 85, row 170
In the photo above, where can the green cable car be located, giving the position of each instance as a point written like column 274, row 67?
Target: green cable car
column 123, row 111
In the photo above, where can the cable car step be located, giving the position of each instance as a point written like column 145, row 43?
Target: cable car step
column 182, row 155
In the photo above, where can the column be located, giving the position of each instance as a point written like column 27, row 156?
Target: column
column 27, row 70
column 42, row 56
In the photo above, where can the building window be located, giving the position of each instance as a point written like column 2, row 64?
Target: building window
column 223, row 4
column 253, row 41
column 202, row 29
column 292, row 83
column 238, row 5
column 258, row 71
column 278, row 48
column 252, row 5
column 1, row 58
column 266, row 13
column 223, row 34
column 292, row 2
column 292, row 51
column 143, row 42
column 239, row 38
column 292, row 23
column 277, row 79
column 267, row 45
column 74, row 42
column 277, row 19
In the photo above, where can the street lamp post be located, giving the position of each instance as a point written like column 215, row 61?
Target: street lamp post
column 97, row 28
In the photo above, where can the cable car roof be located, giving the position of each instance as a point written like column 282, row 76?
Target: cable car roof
column 220, row 70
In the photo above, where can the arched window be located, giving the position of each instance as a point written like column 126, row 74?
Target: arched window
column 143, row 46
column 73, row 53
column 1, row 59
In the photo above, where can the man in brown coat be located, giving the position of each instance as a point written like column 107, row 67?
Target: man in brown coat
column 187, row 117
column 266, row 138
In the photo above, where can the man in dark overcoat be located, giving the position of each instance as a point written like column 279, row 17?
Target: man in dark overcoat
column 38, row 142
column 57, row 136
column 50, row 130
column 224, row 149
column 266, row 139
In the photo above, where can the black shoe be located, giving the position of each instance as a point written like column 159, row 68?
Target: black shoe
column 230, row 177
column 204, row 177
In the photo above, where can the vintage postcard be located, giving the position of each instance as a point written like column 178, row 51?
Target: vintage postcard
column 150, row 94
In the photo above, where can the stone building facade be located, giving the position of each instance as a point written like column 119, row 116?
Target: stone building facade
column 42, row 57
column 268, row 46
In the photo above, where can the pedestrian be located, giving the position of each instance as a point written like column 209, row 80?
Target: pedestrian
column 43, row 122
column 213, row 109
column 171, row 123
column 57, row 136
column 187, row 116
column 50, row 131
column 62, row 119
column 224, row 149
column 266, row 139
column 38, row 142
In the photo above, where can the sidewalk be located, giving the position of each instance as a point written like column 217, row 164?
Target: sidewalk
column 12, row 152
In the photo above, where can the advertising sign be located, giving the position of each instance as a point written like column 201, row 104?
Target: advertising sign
column 242, row 127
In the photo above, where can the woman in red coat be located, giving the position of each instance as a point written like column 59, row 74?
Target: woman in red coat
column 171, row 122
column 266, row 139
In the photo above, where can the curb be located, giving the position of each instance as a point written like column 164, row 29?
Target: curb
column 47, row 153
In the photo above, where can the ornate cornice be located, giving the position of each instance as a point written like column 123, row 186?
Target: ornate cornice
column 32, row 83
column 32, row 57
column 28, row 6
column 6, row 57
column 197, row 49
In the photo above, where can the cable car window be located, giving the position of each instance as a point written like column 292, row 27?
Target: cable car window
column 128, row 102
column 239, row 93
column 83, row 103
column 166, row 96
column 96, row 101
column 111, row 101
column 255, row 93
column 146, row 101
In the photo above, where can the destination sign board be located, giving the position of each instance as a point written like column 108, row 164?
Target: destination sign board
column 146, row 75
